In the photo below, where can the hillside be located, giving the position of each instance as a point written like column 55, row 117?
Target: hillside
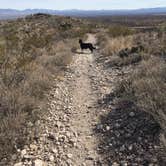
column 60, row 105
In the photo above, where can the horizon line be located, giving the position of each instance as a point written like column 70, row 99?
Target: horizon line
column 78, row 9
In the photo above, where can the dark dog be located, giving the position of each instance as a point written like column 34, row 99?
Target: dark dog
column 86, row 46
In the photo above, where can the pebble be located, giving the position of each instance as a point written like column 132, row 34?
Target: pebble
column 51, row 158
column 115, row 164
column 33, row 147
column 18, row 164
column 39, row 163
column 14, row 157
column 28, row 156
column 99, row 126
column 117, row 125
column 122, row 148
column 132, row 114
column 69, row 155
column 89, row 137
column 130, row 147
column 107, row 128
column 54, row 150
column 23, row 152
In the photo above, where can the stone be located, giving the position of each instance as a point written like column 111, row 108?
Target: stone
column 59, row 124
column 69, row 155
column 69, row 162
column 122, row 148
column 39, row 163
column 99, row 127
column 68, row 134
column 117, row 125
column 27, row 157
column 89, row 158
column 107, row 128
column 54, row 150
column 130, row 147
column 14, row 157
column 131, row 114
column 51, row 158
column 117, row 133
column 51, row 136
column 89, row 137
column 23, row 152
column 18, row 150
column 18, row 164
column 115, row 164
column 33, row 147
column 30, row 124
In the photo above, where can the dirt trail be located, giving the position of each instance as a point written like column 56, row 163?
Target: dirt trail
column 84, row 117
column 65, row 136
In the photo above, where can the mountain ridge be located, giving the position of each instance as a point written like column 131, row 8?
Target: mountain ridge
column 14, row 13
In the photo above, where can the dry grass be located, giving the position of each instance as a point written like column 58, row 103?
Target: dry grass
column 149, row 85
column 114, row 45
column 118, row 30
column 32, row 53
column 116, row 61
column 145, row 88
column 146, row 84
column 111, row 46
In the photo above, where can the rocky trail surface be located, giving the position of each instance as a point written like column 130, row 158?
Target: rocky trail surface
column 79, row 129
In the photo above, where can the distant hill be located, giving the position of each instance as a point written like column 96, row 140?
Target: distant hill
column 11, row 13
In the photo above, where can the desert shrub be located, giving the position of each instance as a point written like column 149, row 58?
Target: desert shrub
column 114, row 45
column 37, row 40
column 74, row 33
column 116, row 61
column 39, row 81
column 78, row 32
column 14, row 106
column 11, row 129
column 153, row 43
column 59, row 56
column 161, row 29
column 101, row 39
column 30, row 58
column 117, row 30
column 149, row 85
column 61, row 59
column 145, row 89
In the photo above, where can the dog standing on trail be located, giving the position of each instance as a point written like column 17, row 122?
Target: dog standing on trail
column 86, row 46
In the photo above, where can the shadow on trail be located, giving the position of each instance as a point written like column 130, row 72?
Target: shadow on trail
column 127, row 136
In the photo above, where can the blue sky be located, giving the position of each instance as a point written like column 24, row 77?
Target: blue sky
column 81, row 4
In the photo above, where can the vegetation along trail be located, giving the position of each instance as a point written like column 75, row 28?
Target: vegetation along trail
column 85, row 127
